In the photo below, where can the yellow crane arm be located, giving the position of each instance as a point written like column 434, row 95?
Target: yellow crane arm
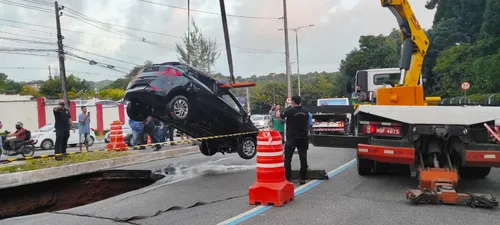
column 415, row 42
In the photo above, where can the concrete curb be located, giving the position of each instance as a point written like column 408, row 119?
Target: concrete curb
column 34, row 176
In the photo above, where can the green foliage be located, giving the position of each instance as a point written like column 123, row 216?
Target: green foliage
column 202, row 51
column 52, row 87
column 111, row 93
column 8, row 86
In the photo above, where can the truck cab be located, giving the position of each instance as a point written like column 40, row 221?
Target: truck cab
column 372, row 79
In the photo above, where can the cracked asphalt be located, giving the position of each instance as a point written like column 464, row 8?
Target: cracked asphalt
column 209, row 190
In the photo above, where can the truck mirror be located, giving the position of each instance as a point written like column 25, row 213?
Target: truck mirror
column 348, row 87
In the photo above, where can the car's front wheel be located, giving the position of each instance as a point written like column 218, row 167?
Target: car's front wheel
column 247, row 148
column 138, row 111
column 179, row 108
column 208, row 148
column 91, row 141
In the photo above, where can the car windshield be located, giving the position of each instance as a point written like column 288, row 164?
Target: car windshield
column 257, row 117
column 47, row 128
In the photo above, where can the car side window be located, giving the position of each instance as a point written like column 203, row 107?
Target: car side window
column 229, row 100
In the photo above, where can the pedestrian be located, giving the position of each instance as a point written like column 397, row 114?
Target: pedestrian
column 63, row 124
column 136, row 130
column 149, row 129
column 297, row 136
column 279, row 124
column 171, row 131
column 272, row 115
column 84, row 128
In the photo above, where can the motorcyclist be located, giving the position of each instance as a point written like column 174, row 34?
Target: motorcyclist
column 20, row 134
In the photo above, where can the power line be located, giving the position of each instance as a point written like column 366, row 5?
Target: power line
column 26, row 6
column 26, row 40
column 100, row 55
column 54, row 69
column 195, row 10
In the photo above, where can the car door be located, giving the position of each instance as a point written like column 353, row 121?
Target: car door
column 230, row 111
column 74, row 137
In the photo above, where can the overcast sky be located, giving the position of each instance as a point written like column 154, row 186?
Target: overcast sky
column 258, row 46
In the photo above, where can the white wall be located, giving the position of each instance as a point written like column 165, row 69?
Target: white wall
column 27, row 113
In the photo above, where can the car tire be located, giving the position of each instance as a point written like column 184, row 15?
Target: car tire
column 138, row 111
column 91, row 141
column 179, row 108
column 208, row 148
column 247, row 148
column 47, row 144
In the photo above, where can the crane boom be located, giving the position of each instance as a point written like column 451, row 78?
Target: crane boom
column 415, row 42
column 415, row 45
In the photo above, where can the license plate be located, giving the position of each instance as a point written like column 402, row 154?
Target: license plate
column 388, row 130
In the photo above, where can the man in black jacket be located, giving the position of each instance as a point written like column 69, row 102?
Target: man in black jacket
column 297, row 136
column 63, row 124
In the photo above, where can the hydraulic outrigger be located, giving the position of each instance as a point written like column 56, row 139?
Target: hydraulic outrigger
column 436, row 184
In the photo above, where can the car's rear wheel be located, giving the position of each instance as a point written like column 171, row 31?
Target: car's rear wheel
column 179, row 108
column 247, row 148
column 208, row 148
column 138, row 111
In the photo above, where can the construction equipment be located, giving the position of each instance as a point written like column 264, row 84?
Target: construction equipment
column 439, row 144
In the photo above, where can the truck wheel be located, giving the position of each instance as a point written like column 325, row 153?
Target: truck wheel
column 208, row 148
column 475, row 172
column 365, row 166
column 381, row 168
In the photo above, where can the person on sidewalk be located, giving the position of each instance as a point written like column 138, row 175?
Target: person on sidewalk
column 63, row 124
column 136, row 130
column 149, row 129
column 297, row 136
column 84, row 128
column 279, row 124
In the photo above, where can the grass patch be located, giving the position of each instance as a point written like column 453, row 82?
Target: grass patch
column 36, row 164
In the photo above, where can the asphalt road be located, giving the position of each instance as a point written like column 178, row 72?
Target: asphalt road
column 209, row 190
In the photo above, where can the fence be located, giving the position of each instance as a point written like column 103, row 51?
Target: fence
column 37, row 113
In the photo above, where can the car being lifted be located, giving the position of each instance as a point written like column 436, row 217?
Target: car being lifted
column 195, row 104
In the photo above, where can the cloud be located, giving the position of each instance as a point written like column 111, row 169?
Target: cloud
column 338, row 25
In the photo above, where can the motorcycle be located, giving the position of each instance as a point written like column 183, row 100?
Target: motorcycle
column 25, row 148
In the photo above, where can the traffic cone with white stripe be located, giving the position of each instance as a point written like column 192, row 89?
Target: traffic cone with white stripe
column 271, row 186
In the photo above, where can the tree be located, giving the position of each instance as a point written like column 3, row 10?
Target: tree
column 197, row 50
column 52, row 87
column 111, row 93
column 28, row 90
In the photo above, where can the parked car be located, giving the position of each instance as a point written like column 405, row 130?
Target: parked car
column 261, row 121
column 195, row 104
column 46, row 136
column 127, row 135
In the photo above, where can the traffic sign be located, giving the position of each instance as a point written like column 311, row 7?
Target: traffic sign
column 465, row 85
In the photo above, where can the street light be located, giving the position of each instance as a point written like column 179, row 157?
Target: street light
column 297, row 49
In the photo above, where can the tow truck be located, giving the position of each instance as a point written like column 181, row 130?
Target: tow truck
column 439, row 144
column 331, row 116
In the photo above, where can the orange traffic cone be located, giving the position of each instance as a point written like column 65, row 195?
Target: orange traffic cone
column 149, row 140
column 271, row 186
column 116, row 141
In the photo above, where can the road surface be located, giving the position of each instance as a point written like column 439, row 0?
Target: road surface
column 214, row 189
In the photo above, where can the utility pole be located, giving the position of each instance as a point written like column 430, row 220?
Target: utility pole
column 227, row 41
column 62, row 67
column 287, row 53
column 296, row 30
column 50, row 74
column 189, row 33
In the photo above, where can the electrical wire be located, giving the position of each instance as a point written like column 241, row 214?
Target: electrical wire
column 26, row 40
column 195, row 10
column 100, row 55
column 27, row 6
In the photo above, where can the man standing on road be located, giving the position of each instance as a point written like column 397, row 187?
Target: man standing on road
column 84, row 128
column 62, row 125
column 149, row 129
column 297, row 136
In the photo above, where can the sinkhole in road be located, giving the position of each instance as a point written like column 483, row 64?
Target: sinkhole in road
column 70, row 192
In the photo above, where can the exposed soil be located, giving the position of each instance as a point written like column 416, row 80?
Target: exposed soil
column 70, row 192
